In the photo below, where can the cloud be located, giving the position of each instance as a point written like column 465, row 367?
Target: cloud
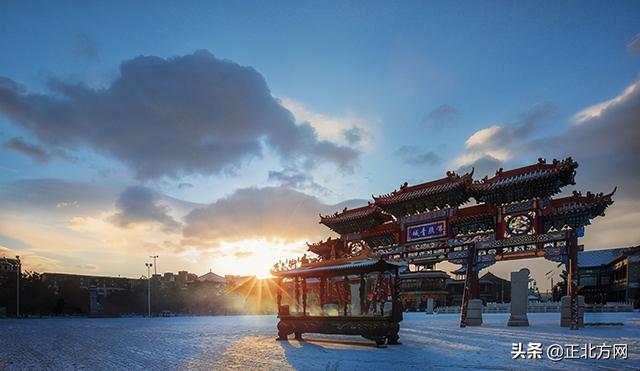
column 242, row 254
column 603, row 138
column 336, row 128
column 185, row 185
column 86, row 47
column 595, row 111
column 62, row 204
column 605, row 143
column 618, row 228
column 442, row 115
column 54, row 195
column 8, row 85
column 412, row 155
column 90, row 267
column 502, row 141
column 634, row 45
column 140, row 205
column 354, row 134
column 34, row 151
column 483, row 166
column 192, row 114
column 293, row 178
column 30, row 261
column 272, row 213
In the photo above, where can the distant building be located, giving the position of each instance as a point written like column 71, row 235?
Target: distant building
column 611, row 275
column 416, row 288
column 8, row 265
column 493, row 289
column 185, row 277
column 104, row 285
column 212, row 277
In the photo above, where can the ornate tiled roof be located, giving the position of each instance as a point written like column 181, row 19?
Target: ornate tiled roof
column 339, row 267
column 382, row 235
column 448, row 191
column 539, row 180
column 473, row 212
column 576, row 210
column 355, row 220
column 473, row 219
column 323, row 248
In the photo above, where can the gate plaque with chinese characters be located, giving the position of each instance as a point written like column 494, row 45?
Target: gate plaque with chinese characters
column 427, row 231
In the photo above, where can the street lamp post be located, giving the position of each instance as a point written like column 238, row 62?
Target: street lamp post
column 18, row 269
column 155, row 265
column 148, row 265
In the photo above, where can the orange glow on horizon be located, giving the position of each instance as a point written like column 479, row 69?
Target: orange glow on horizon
column 254, row 257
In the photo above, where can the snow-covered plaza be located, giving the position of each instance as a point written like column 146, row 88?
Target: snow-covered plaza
column 247, row 342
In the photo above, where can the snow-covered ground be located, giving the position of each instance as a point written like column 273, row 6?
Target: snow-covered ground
column 247, row 342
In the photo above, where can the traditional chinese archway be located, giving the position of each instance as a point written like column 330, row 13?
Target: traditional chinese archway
column 515, row 218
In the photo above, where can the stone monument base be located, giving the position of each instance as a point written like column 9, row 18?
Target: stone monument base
column 518, row 320
column 429, row 309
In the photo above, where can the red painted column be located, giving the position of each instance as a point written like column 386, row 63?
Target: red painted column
column 471, row 280
column 296, row 293
column 572, row 289
column 304, row 296
column 279, row 295
column 322, row 294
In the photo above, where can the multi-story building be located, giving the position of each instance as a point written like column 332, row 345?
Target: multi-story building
column 185, row 277
column 611, row 275
column 493, row 289
column 104, row 285
column 416, row 288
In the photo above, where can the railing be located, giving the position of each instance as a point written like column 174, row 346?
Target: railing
column 546, row 307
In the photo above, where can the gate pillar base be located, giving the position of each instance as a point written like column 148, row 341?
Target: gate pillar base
column 474, row 312
column 565, row 311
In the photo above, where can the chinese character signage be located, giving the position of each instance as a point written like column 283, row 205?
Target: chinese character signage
column 427, row 231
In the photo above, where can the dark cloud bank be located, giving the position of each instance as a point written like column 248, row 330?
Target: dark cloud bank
column 171, row 117
column 270, row 212
column 274, row 213
column 442, row 115
column 296, row 179
column 412, row 155
column 604, row 144
column 139, row 205
column 18, row 144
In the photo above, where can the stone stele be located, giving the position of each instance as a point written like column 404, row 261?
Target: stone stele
column 519, row 298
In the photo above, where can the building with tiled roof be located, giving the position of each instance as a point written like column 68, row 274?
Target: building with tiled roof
column 576, row 210
column 211, row 277
column 535, row 181
column 355, row 220
column 449, row 191
column 610, row 275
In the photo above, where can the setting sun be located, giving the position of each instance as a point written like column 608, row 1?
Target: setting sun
column 254, row 257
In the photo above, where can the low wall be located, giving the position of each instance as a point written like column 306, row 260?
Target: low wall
column 547, row 307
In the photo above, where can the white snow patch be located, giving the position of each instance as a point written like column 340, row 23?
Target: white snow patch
column 248, row 342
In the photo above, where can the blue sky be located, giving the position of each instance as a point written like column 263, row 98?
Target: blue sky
column 384, row 68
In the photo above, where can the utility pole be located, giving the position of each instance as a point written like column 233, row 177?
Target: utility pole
column 148, row 265
column 155, row 266
column 18, row 269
